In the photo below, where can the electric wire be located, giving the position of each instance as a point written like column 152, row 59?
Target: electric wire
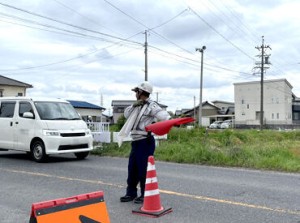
column 52, row 28
column 67, row 60
column 216, row 31
column 127, row 15
column 83, row 16
column 65, row 23
column 238, row 28
column 49, row 26
column 118, row 9
column 247, row 27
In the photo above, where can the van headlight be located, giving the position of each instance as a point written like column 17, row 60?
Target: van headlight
column 51, row 133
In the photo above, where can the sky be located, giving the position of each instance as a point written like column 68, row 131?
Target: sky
column 94, row 50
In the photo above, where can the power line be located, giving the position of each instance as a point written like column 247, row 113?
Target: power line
column 87, row 18
column 63, row 61
column 192, row 61
column 52, row 28
column 170, row 20
column 65, row 23
column 102, row 33
column 152, row 30
column 233, row 13
column 227, row 40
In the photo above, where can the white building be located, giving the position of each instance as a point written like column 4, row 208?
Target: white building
column 277, row 103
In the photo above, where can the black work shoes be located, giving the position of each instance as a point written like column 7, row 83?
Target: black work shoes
column 139, row 200
column 126, row 198
column 136, row 200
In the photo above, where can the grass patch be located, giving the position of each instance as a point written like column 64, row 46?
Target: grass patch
column 268, row 149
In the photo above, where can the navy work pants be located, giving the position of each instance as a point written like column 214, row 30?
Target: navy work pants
column 137, row 165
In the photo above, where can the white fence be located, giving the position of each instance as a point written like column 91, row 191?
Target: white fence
column 98, row 126
column 100, row 131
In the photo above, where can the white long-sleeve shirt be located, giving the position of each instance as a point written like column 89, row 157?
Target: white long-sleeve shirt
column 152, row 113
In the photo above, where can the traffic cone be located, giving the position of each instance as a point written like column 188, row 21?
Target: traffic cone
column 152, row 206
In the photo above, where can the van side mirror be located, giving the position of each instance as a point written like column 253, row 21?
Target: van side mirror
column 28, row 115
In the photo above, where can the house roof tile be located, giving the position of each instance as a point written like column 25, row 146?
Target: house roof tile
column 84, row 104
column 12, row 82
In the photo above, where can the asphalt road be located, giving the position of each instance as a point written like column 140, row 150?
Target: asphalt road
column 195, row 193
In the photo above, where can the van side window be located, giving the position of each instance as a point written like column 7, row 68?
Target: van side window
column 7, row 109
column 25, row 107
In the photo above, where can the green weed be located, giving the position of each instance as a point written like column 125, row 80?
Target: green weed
column 267, row 149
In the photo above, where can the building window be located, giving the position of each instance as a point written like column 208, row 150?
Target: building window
column 257, row 115
column 272, row 115
column 20, row 94
column 248, row 106
column 277, row 115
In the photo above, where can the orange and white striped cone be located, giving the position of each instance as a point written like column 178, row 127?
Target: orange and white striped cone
column 152, row 206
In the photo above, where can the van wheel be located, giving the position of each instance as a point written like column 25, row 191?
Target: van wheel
column 81, row 155
column 38, row 153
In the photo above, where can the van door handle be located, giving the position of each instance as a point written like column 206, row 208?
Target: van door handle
column 11, row 123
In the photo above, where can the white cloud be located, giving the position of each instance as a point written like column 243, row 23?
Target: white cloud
column 85, row 67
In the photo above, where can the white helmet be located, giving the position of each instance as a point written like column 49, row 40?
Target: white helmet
column 144, row 86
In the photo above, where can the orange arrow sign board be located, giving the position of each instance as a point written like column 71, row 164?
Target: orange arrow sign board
column 86, row 208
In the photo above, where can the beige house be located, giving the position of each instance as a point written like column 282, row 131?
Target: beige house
column 11, row 87
column 212, row 111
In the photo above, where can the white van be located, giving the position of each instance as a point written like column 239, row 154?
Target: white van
column 42, row 127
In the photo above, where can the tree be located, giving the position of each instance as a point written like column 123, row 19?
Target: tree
column 121, row 121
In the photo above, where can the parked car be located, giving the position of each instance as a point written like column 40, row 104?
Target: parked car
column 215, row 125
column 226, row 124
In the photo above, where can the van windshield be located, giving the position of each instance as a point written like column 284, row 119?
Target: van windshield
column 56, row 111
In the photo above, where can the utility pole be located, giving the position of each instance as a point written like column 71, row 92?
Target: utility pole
column 264, row 60
column 146, row 55
column 157, row 95
column 194, row 109
column 201, row 50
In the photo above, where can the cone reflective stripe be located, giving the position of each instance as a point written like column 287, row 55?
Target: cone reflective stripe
column 151, row 193
column 151, row 180
column 152, row 205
